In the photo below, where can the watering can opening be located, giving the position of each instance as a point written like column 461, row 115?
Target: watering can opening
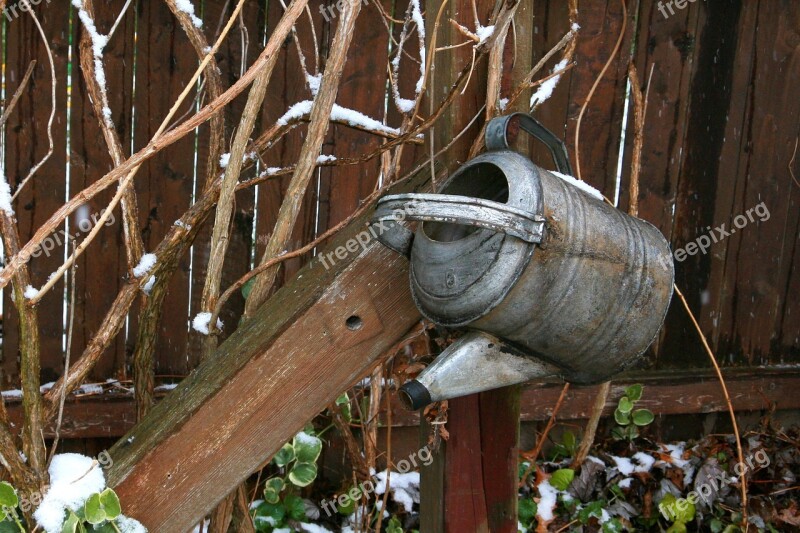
column 484, row 181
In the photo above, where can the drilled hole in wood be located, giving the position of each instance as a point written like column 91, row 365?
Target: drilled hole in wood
column 354, row 323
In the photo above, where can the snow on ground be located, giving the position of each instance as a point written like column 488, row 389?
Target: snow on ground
column 73, row 478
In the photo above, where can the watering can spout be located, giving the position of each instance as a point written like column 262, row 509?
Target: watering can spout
column 476, row 362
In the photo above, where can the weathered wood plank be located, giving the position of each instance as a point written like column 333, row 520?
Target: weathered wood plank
column 752, row 390
column 309, row 342
column 667, row 393
column 100, row 271
column 26, row 145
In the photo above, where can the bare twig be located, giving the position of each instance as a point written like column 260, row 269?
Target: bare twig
column 731, row 411
column 321, row 110
column 14, row 99
column 67, row 352
column 534, row 454
column 53, row 85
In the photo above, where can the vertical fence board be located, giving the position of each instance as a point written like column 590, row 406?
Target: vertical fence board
column 165, row 63
column 26, row 144
column 101, row 270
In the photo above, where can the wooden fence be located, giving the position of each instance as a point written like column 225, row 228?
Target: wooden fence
column 722, row 128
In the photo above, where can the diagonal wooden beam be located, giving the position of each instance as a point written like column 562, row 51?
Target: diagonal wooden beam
column 313, row 339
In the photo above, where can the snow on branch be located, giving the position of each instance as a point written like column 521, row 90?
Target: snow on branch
column 405, row 105
column 351, row 117
column 99, row 42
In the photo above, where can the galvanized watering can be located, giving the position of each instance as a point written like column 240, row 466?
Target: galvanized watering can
column 548, row 280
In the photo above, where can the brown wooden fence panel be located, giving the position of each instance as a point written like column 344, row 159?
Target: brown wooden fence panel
column 722, row 126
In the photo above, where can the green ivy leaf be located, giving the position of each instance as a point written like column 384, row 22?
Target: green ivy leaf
column 93, row 509
column 716, row 525
column 348, row 508
column 631, row 432
column 394, row 526
column 592, row 510
column 679, row 511
column 71, row 524
column 613, row 526
column 303, row 474
column 275, row 511
column 104, row 528
column 622, row 419
column 527, row 510
column 643, row 417
column 306, row 447
column 8, row 496
column 569, row 440
column 343, row 402
column 625, row 405
column 110, row 503
column 284, row 456
column 272, row 490
column 634, row 392
column 677, row 527
column 618, row 433
column 248, row 287
column 295, row 507
column 562, row 478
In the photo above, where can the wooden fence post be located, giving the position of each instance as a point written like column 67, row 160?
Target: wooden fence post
column 472, row 483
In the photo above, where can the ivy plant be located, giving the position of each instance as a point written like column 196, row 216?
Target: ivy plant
column 628, row 418
column 296, row 463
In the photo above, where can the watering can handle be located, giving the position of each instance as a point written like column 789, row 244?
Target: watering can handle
column 502, row 131
column 452, row 209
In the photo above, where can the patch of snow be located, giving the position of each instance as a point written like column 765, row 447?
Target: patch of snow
column 99, row 42
column 575, row 26
column 129, row 525
column 201, row 321
column 548, row 497
column 484, row 32
column 5, row 196
column 405, row 105
column 326, row 158
column 224, row 160
column 305, row 438
column 313, row 528
column 30, row 293
column 166, row 387
column 580, row 184
column 73, row 478
column 645, row 461
column 404, row 487
column 594, row 459
column 313, row 82
column 149, row 285
column 91, row 388
column 47, row 386
column 187, row 7
column 146, row 264
column 12, row 394
column 545, row 90
column 625, row 483
column 624, row 465
column 502, row 103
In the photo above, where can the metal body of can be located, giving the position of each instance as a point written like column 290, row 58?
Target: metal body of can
column 510, row 249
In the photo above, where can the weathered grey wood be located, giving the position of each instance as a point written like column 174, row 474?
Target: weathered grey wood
column 313, row 339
